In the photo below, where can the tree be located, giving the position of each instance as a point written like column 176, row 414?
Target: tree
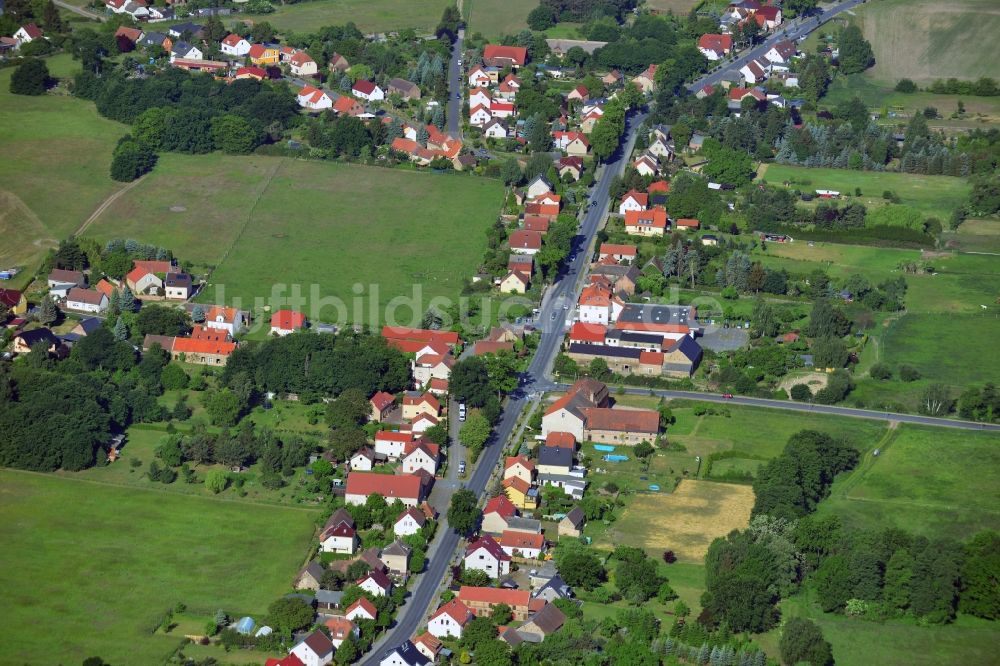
column 30, row 78
column 829, row 352
column 48, row 311
column 120, row 330
column 349, row 410
column 935, row 400
column 130, row 160
column 475, row 432
column 70, row 256
column 289, row 614
column 580, row 567
column 216, row 480
column 348, row 651
column 541, row 18
column 501, row 614
column 510, row 171
column 234, row 134
column 470, row 381
column 801, row 392
column 501, row 367
column 223, row 407
column 826, row 321
column 159, row 320
column 802, row 640
column 908, row 373
column 897, row 580
column 980, row 595
column 855, row 52
column 880, row 371
column 906, row 86
column 463, row 514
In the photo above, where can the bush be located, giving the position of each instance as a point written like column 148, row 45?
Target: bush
column 801, row 393
column 131, row 160
column 908, row 373
column 30, row 78
column 906, row 86
column 880, row 371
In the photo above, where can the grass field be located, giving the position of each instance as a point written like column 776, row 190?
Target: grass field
column 494, row 19
column 678, row 7
column 907, row 341
column 685, row 521
column 975, row 235
column 925, row 40
column 57, row 151
column 270, row 222
column 100, row 564
column 368, row 15
column 931, row 195
column 932, row 481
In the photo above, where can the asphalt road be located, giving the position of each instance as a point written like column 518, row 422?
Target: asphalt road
column 455, row 88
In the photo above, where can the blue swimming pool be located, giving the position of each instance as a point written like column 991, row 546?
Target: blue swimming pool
column 653, row 486
column 604, row 447
column 615, row 458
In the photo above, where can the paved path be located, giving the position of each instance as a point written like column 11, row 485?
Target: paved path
column 78, row 10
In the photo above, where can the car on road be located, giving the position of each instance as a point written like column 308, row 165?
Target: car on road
column 554, row 315
column 461, row 467
column 459, row 63
column 458, row 95
column 565, row 306
column 727, row 396
column 461, row 411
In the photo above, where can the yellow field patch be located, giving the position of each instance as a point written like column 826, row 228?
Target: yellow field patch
column 685, row 521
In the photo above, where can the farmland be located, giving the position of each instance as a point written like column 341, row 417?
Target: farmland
column 931, row 195
column 368, row 15
column 906, row 341
column 323, row 227
column 685, row 521
column 109, row 561
column 55, row 169
column 922, row 482
column 494, row 19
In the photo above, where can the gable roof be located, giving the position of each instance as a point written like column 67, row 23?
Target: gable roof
column 524, row 461
column 63, row 275
column 623, row 420
column 417, row 515
column 718, row 43
column 88, row 296
column 456, row 610
column 287, row 320
column 555, row 455
column 232, row 39
column 493, row 595
column 526, row 240
column 561, row 440
column 319, row 643
column 618, row 248
column 522, row 540
column 656, row 218
column 490, row 545
column 364, row 87
column 300, row 58
column 364, row 605
column 407, row 486
column 549, row 619
column 518, row 55
column 640, row 198
column 500, row 505
column 377, row 577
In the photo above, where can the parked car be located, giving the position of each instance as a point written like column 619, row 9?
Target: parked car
column 461, row 467
column 727, row 396
column 461, row 411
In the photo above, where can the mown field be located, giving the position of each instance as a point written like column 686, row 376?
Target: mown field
column 90, row 568
column 494, row 19
column 57, row 152
column 368, row 15
column 931, row 481
column 925, row 40
column 931, row 195
column 271, row 223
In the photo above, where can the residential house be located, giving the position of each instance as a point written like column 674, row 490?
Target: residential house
column 185, row 50
column 686, row 223
column 646, row 222
column 647, row 165
column 24, row 341
column 661, row 149
column 521, row 494
column 705, row 91
column 571, row 143
column 61, row 281
column 397, row 558
column 286, row 322
column 423, row 423
column 348, row 106
column 507, row 90
column 231, row 320
column 428, row 646
column 485, row 554
column 572, row 523
column 567, row 414
column 339, row 534
column 151, row 39
column 522, row 544
column 315, row 650
column 738, row 94
column 363, row 460
column 515, row 282
column 339, row 64
column 421, row 455
column 408, row 488
column 133, row 35
column 646, row 81
column 367, row 90
column 496, row 513
column 142, row 280
column 682, row 357
column 314, row 99
column 86, row 300
column 618, row 252
column 553, row 589
column 193, row 29
column 768, row 17
column 481, row 600
column 514, row 57
column 633, row 200
column 381, row 404
column 715, row 47
column 427, row 367
column 302, row 64
column 153, row 12
column 14, row 301
column 571, row 165
column 406, row 654
column 478, row 78
column 329, row 599
column 521, row 262
column 86, row 326
column 710, row 240
column 263, row 55
column 544, row 622
column 555, row 460
column 450, row 619
column 392, row 444
column 614, row 77
column 479, row 116
column 309, row 576
column 28, row 33
column 410, row 522
column 376, row 584
column 577, row 94
column 340, row 629
column 525, row 242
column 562, row 440
column 520, row 467
column 405, row 89
column 509, row 636
column 598, row 305
column 362, row 609
column 178, row 286
column 537, row 187
column 500, row 109
column 494, row 129
column 755, row 71
column 416, row 403
column 781, row 53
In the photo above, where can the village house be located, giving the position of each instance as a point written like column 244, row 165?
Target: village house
column 309, row 576
column 348, row 106
column 382, row 404
column 647, row 165
column 633, row 201
column 397, row 558
column 521, row 494
column 185, row 50
column 146, row 277
column 421, row 455
column 450, row 619
column 494, row 129
column 522, row 544
column 407, row 90
column 755, row 71
column 263, row 55
column 407, row 488
column 715, row 47
column 485, row 554
column 86, row 300
column 555, row 460
column 363, row 460
column 339, row 534
column 646, row 222
column 14, row 301
column 178, row 286
column 362, row 609
column 416, row 403
column 231, row 320
column 27, row 34
column 519, row 467
column 598, row 305
column 496, row 513
column 646, row 81
column 301, row 64
column 572, row 523
column 431, row 365
column 406, row 654
column 502, row 57
column 525, row 242
column 392, row 444
column 338, row 64
column 61, row 281
column 537, row 187
column 544, row 622
column 340, row 628
column 574, row 144
column 376, row 583
column 314, row 99
column 315, row 650
column 617, row 252
column 367, row 90
column 571, row 165
column 482, row 600
column 410, row 522
column 515, row 282
column 286, row 322
column 202, row 348
column 428, row 646
column 25, row 341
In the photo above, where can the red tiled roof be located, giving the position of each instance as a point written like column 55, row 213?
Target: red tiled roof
column 516, row 54
column 419, row 334
column 255, row 72
column 232, row 39
column 501, row 505
column 257, row 50
column 33, row 31
column 561, row 440
column 490, row 346
column 88, row 296
column 717, row 43
column 300, row 58
column 105, row 287
column 658, row 186
column 456, row 610
column 364, row 604
column 623, row 420
column 290, row 660
column 525, row 461
column 539, row 223
column 10, row 297
column 493, row 596
column 428, row 398
column 550, row 210
column 651, row 358
column 616, row 248
column 518, row 484
column 521, row 540
column 288, row 320
column 490, row 545
column 381, row 400
column 687, row 222
column 196, row 346
column 640, row 197
column 391, row 486
column 364, row 87
column 593, row 333
column 393, row 436
column 656, row 218
column 340, row 627
column 526, row 240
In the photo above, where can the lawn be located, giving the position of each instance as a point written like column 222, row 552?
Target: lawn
column 106, row 562
column 685, row 521
column 925, row 40
column 368, row 15
column 57, row 152
column 495, row 19
column 932, row 481
column 931, row 195
column 278, row 225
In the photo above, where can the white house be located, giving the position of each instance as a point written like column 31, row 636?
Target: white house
column 61, row 281
column 755, row 71
column 368, row 91
column 409, row 522
column 421, row 455
column 362, row 609
column 406, row 654
column 449, row 619
column 480, row 97
column 376, row 583
column 301, row 64
column 185, row 50
column 486, row 555
column 633, row 201
column 781, row 53
column 478, row 78
column 538, row 186
column 340, row 538
column 86, row 300
column 235, row 45
column 392, row 444
column 363, row 460
column 423, row 423
column 479, row 116
column 495, row 130
column 27, row 34
column 231, row 320
column 523, row 544
column 315, row 650
column 314, row 98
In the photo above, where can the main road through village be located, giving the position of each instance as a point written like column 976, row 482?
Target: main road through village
column 554, row 316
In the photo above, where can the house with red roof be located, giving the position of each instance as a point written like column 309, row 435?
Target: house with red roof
column 658, row 186
column 525, row 242
column 686, row 223
column 520, row 467
column 428, row 645
column 416, row 403
column 339, row 534
column 381, row 404
column 262, row 54
column 28, row 33
column 348, row 106
column 618, row 252
column 376, row 583
column 522, row 544
column 392, row 444
column 411, row 521
column 290, row 660
column 578, row 94
column 479, row 116
column 234, row 45
column 633, row 200
column 714, row 46
column 485, row 554
column 423, row 455
column 251, row 72
column 302, row 64
column 572, row 143
column 572, row 165
column 316, row 649
column 286, row 322
column 340, row 628
column 482, row 600
column 646, row 222
column 314, row 99
column 588, row 334
column 478, row 78
column 231, row 320
column 500, row 109
column 362, row 609
column 647, row 165
column 410, row 489
column 495, row 55
column 561, row 440
column 450, row 619
column 599, row 305
column 367, row 90
column 646, row 80
column 496, row 513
